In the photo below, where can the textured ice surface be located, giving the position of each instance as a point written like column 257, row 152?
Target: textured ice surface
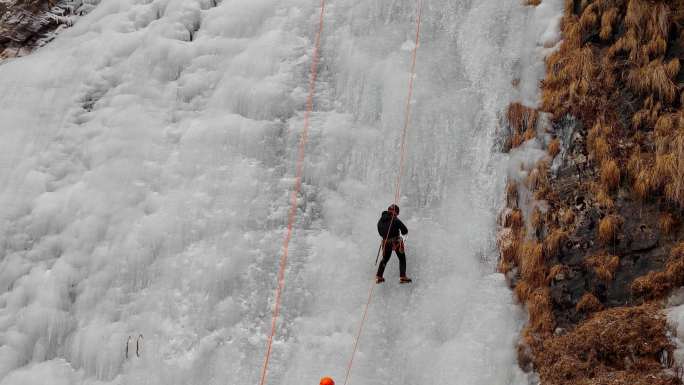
column 146, row 159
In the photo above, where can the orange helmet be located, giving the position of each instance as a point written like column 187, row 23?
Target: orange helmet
column 327, row 381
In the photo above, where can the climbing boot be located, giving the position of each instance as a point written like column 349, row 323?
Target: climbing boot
column 379, row 280
column 405, row 280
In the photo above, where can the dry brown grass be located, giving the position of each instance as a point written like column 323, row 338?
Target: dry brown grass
column 666, row 223
column 554, row 272
column 601, row 149
column 604, row 266
column 540, row 311
column 658, row 284
column 533, row 3
column 516, row 140
column 508, row 242
column 588, row 304
column 608, row 229
column 522, row 291
column 643, row 184
column 538, row 180
column 589, row 20
column 665, row 167
column 512, row 193
column 568, row 217
column 610, row 174
column 530, row 134
column 674, row 190
column 603, row 199
column 554, row 242
column 536, row 219
column 655, row 78
column 614, row 73
column 635, row 163
column 625, row 342
column 532, row 268
column 514, row 219
column 521, row 118
column 607, row 22
column 664, row 125
column 532, row 180
column 655, row 284
column 554, row 147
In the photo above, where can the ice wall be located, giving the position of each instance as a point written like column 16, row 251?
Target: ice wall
column 146, row 160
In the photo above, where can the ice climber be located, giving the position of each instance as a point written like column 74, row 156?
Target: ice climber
column 327, row 381
column 389, row 227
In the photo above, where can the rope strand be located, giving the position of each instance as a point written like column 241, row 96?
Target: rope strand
column 295, row 192
column 407, row 118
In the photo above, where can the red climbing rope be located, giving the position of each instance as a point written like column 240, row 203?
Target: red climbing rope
column 295, row 192
column 407, row 118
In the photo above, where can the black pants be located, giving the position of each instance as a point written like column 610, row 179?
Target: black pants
column 387, row 254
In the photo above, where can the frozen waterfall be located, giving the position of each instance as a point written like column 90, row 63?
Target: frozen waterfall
column 146, row 161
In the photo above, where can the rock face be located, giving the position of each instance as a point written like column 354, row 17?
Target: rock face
column 593, row 231
column 27, row 24
column 640, row 245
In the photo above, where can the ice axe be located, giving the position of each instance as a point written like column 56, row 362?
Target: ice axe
column 379, row 248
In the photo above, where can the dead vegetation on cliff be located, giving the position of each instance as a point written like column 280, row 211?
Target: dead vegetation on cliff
column 618, row 73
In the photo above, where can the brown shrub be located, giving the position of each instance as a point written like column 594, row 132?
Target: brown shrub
column 654, row 285
column 514, row 219
column 588, row 304
column 521, row 118
column 674, row 190
column 643, row 184
column 604, row 266
column 656, row 47
column 532, row 268
column 540, row 311
column 637, row 11
column 512, row 193
column 675, row 265
column 610, row 174
column 588, row 20
column 607, row 21
column 664, row 125
column 635, row 163
column 568, row 217
column 604, row 201
column 530, row 134
column 666, row 223
column 537, row 220
column 606, row 346
column 658, row 284
column 572, row 32
column 533, row 3
column 555, row 271
column 516, row 140
column 509, row 243
column 655, row 78
column 608, row 229
column 601, row 149
column 554, row 242
column 504, row 266
column 522, row 291
column 554, row 147
column 665, row 167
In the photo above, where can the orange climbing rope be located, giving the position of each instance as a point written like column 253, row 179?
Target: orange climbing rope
column 295, row 192
column 402, row 161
